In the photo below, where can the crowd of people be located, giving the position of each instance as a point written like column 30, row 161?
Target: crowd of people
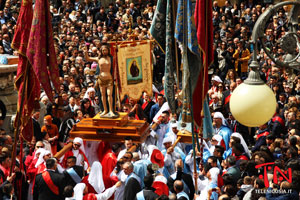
column 231, row 165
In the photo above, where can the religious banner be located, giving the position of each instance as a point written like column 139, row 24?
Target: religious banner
column 135, row 69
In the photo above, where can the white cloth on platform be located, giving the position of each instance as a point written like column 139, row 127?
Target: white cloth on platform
column 91, row 151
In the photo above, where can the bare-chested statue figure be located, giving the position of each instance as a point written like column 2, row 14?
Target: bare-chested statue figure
column 105, row 80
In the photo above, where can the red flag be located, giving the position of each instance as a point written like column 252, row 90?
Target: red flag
column 204, row 26
column 25, row 72
column 40, row 52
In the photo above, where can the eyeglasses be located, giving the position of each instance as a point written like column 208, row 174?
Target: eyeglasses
column 78, row 145
column 39, row 146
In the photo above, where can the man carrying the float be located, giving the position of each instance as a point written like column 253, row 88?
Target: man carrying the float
column 77, row 150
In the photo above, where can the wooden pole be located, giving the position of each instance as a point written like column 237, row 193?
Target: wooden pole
column 18, row 128
column 177, row 140
column 62, row 152
column 195, row 171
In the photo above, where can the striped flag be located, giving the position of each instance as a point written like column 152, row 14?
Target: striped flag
column 40, row 52
column 204, row 26
column 26, row 77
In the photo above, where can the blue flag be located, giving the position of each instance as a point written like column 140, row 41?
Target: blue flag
column 162, row 30
column 208, row 129
column 186, row 36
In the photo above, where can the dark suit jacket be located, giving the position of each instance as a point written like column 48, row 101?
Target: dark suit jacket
column 187, row 178
column 41, row 190
column 149, row 194
column 37, row 130
column 226, row 108
column 132, row 187
column 68, row 178
column 235, row 173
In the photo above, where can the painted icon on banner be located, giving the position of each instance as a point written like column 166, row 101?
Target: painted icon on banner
column 134, row 70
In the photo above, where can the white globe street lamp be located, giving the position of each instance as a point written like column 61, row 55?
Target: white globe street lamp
column 253, row 103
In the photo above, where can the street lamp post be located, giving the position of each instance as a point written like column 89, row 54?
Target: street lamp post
column 253, row 103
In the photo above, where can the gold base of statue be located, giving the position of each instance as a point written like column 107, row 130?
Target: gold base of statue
column 121, row 120
column 111, row 130
column 186, row 136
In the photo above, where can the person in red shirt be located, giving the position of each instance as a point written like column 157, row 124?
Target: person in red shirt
column 238, row 152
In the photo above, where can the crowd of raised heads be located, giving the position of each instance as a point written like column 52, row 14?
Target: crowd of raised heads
column 237, row 162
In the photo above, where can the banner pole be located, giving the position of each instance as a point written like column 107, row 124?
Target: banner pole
column 18, row 118
column 174, row 2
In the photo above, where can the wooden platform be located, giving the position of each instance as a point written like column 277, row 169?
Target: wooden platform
column 111, row 130
column 186, row 136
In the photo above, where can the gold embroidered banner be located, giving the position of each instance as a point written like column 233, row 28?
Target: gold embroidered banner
column 135, row 69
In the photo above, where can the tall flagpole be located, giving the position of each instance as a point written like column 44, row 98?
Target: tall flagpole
column 174, row 3
column 188, row 89
column 18, row 118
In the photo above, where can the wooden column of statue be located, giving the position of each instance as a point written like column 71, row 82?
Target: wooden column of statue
column 108, row 125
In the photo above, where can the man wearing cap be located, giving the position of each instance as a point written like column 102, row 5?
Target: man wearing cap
column 171, row 155
column 77, row 151
column 221, row 127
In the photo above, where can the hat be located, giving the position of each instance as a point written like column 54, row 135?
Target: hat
column 157, row 158
column 160, row 184
column 217, row 78
column 167, row 139
column 174, row 125
column 78, row 140
column 48, row 118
